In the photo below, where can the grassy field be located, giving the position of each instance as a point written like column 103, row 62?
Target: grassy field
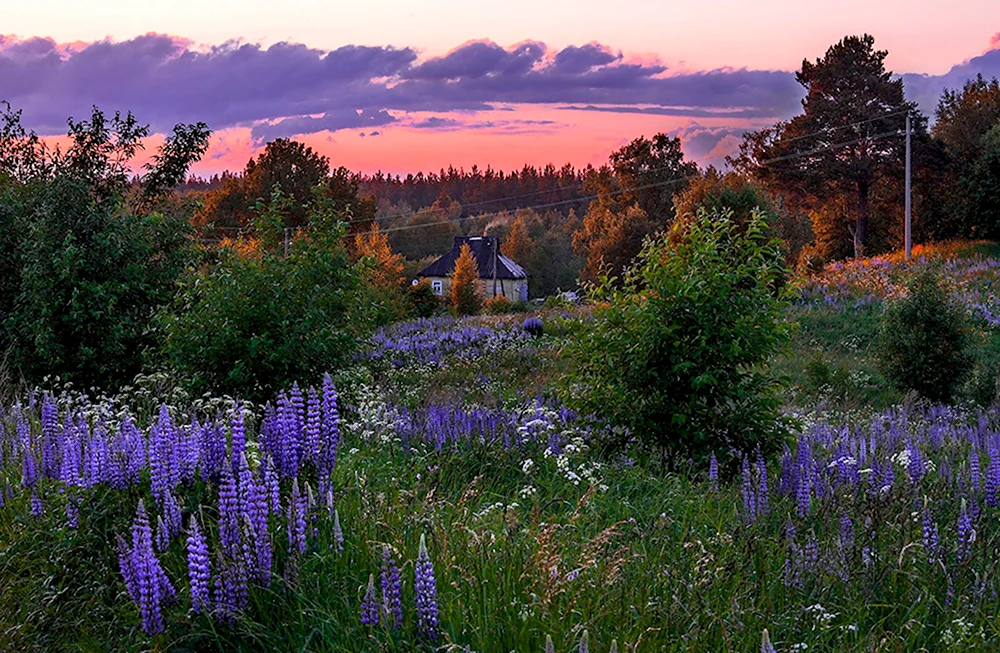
column 876, row 529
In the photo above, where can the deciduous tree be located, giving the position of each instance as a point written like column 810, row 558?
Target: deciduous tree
column 466, row 298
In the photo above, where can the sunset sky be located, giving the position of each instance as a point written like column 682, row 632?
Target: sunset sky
column 406, row 86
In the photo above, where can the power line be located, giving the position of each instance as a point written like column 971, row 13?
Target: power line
column 549, row 205
column 579, row 184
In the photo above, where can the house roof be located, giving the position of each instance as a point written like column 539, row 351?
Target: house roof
column 486, row 250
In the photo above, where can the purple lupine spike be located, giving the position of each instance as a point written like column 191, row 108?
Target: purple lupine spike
column 392, row 591
column 549, row 646
column 272, row 486
column 261, row 535
column 765, row 643
column 296, row 522
column 930, row 533
column 50, row 434
column 584, row 643
column 793, row 562
column 338, row 534
column 152, row 586
column 425, row 589
column 129, row 572
column 762, row 490
column 238, row 437
column 229, row 515
column 787, row 483
column 162, row 535
column 993, row 478
column 198, row 568
column 369, row 605
column 810, row 555
column 713, row 471
column 37, row 509
column 803, row 494
column 29, row 469
column 749, row 499
column 974, row 469
column 313, row 427
column 966, row 533
column 72, row 512
column 330, row 428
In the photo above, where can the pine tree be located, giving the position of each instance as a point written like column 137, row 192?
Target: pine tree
column 465, row 296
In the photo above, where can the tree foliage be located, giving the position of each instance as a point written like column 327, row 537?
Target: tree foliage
column 466, row 298
column 83, row 269
column 846, row 142
column 252, row 325
column 678, row 352
column 924, row 341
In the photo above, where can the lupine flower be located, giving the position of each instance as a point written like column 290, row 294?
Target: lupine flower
column 930, row 533
column 549, row 646
column 584, row 643
column 762, row 490
column 143, row 572
column 713, row 471
column 965, row 532
column 338, row 534
column 72, row 512
column 765, row 643
column 425, row 588
column 369, row 605
column 198, row 568
column 296, row 523
column 36, row 505
column 162, row 535
column 392, row 602
column 749, row 500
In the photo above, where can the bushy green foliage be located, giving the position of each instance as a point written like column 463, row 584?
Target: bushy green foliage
column 423, row 301
column 678, row 354
column 249, row 325
column 84, row 264
column 923, row 341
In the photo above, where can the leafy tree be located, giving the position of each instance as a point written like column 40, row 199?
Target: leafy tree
column 83, row 271
column 981, row 189
column 466, row 298
column 964, row 117
column 846, row 140
column 382, row 270
column 518, row 244
column 634, row 200
column 252, row 325
column 924, row 340
column 294, row 167
column 678, row 353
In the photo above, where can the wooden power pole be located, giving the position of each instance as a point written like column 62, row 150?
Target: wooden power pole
column 909, row 233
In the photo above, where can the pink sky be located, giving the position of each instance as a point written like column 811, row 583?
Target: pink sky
column 503, row 132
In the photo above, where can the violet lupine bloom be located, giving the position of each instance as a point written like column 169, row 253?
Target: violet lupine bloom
column 713, row 471
column 425, row 588
column 369, row 605
column 144, row 578
column 162, row 535
column 198, row 568
column 72, row 512
column 338, row 534
column 966, row 534
column 930, row 533
column 392, row 591
column 549, row 646
column 330, row 433
column 313, row 427
column 584, row 643
column 296, row 523
column 993, row 478
column 229, row 515
column 974, row 469
column 762, row 490
column 749, row 500
column 765, row 643
column 36, row 505
column 238, row 437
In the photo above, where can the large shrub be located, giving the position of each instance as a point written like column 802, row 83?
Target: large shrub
column 249, row 325
column 923, row 342
column 85, row 258
column 678, row 353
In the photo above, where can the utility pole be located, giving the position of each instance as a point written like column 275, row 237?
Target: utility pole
column 909, row 233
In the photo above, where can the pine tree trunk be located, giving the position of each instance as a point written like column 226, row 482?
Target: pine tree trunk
column 861, row 227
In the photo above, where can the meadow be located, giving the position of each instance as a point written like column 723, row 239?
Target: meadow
column 440, row 495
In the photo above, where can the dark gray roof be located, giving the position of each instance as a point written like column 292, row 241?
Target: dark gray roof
column 486, row 251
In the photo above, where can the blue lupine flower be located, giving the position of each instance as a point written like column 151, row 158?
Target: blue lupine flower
column 425, row 588
column 369, row 605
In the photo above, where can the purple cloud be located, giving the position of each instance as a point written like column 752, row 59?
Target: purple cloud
column 288, row 89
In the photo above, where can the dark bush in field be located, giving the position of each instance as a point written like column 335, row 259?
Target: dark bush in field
column 923, row 342
column 678, row 353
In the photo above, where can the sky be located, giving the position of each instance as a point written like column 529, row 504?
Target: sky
column 405, row 86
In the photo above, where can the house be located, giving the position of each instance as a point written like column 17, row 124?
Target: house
column 498, row 275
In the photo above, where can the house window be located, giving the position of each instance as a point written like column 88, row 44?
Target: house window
column 438, row 286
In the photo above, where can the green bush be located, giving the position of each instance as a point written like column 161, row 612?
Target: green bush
column 923, row 342
column 678, row 353
column 250, row 325
column 423, row 301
